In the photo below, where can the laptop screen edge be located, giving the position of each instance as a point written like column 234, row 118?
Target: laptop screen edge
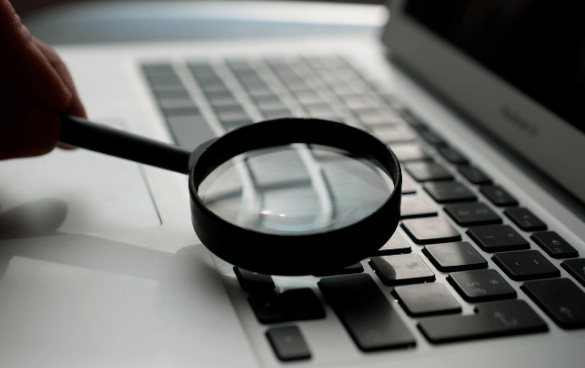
column 551, row 144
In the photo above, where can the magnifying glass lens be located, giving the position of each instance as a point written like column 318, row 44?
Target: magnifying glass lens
column 296, row 189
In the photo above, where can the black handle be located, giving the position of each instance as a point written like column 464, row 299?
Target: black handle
column 79, row 132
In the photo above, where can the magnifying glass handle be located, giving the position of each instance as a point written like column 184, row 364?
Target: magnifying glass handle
column 82, row 133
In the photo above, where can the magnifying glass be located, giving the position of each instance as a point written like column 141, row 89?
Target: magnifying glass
column 290, row 196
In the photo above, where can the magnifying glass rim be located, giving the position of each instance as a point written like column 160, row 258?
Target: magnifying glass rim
column 293, row 254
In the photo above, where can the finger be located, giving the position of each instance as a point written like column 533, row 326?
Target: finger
column 27, row 71
column 29, row 128
column 74, row 106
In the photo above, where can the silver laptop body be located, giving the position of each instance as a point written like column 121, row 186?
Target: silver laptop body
column 101, row 267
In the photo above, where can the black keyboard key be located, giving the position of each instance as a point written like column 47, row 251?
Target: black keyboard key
column 561, row 299
column 458, row 256
column 503, row 318
column 253, row 281
column 396, row 245
column 394, row 133
column 471, row 214
column 162, row 68
column 525, row 219
column 498, row 196
column 427, row 171
column 164, row 80
column 432, row 138
column 474, row 175
column 554, row 245
column 170, row 105
column 355, row 268
column 430, row 230
column 189, row 131
column 267, row 307
column 365, row 312
column 453, row 156
column 378, row 117
column 426, row 299
column 302, row 304
column 576, row 267
column 417, row 205
column 402, row 269
column 497, row 238
column 525, row 265
column 409, row 152
column 450, row 191
column 234, row 124
column 288, row 343
column 228, row 118
column 412, row 120
column 481, row 285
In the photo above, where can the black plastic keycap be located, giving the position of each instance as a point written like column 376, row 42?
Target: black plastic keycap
column 497, row 238
column 288, row 343
column 474, row 175
column 427, row 171
column 267, row 307
column 365, row 312
column 481, row 285
column 554, row 245
column 498, row 196
column 561, row 299
column 458, row 256
column 525, row 265
column 430, row 230
column 453, row 156
column 426, row 299
column 417, row 205
column 473, row 213
column 449, row 191
column 302, row 304
column 576, row 267
column 402, row 269
column 253, row 281
column 525, row 219
column 396, row 245
column 509, row 317
column 432, row 138
column 189, row 131
column 409, row 152
column 158, row 68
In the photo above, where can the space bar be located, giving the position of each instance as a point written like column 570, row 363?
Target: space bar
column 365, row 312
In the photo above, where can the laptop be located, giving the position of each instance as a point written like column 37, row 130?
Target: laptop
column 479, row 101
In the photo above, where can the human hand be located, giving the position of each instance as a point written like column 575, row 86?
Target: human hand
column 35, row 87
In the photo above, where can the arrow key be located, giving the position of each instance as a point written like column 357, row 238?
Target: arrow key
column 510, row 317
column 561, row 299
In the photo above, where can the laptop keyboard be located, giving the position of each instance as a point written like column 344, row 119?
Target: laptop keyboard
column 444, row 196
